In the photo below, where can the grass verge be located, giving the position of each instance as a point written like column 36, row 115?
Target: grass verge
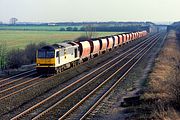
column 161, row 99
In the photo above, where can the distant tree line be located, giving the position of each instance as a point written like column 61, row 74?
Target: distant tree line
column 122, row 29
column 108, row 28
column 80, row 23
column 15, row 58
column 82, row 26
column 69, row 29
column 174, row 26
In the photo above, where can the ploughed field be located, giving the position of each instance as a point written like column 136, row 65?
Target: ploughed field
column 19, row 39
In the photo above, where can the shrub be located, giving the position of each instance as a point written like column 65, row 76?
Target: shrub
column 18, row 57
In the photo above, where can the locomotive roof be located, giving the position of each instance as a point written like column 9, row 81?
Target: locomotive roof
column 58, row 45
column 47, row 47
column 61, row 45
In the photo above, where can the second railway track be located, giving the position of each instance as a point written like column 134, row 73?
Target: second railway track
column 17, row 76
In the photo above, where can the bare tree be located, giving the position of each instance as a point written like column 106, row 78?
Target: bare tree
column 18, row 57
column 13, row 21
column 41, row 44
column 90, row 31
column 30, row 52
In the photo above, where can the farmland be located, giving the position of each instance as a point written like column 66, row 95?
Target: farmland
column 20, row 38
column 36, row 28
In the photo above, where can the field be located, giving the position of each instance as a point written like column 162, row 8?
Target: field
column 20, row 38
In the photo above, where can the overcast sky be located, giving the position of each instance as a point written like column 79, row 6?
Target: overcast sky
column 89, row 10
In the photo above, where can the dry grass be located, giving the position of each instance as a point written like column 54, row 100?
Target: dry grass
column 162, row 96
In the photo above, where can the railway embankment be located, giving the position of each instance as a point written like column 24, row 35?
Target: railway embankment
column 161, row 97
column 163, row 87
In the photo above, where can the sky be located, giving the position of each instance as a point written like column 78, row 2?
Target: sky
column 90, row 10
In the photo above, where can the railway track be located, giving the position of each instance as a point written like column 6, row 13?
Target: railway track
column 16, row 76
column 95, row 78
column 14, row 84
column 10, row 91
column 6, row 83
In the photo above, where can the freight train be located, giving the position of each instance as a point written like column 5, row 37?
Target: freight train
column 58, row 57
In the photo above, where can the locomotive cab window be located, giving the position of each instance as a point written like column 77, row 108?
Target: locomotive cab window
column 45, row 54
column 41, row 54
column 50, row 54
column 57, row 54
column 75, row 52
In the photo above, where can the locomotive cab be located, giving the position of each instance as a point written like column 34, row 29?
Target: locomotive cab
column 45, row 58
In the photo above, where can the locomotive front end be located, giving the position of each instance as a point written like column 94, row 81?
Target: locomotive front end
column 45, row 60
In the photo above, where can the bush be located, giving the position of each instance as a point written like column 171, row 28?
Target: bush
column 18, row 57
column 82, row 38
column 62, row 29
column 75, row 29
column 30, row 53
column 69, row 29
column 82, row 29
column 3, row 55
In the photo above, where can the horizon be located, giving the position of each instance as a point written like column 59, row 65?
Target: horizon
column 34, row 22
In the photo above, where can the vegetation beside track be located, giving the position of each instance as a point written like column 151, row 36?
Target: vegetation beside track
column 161, row 99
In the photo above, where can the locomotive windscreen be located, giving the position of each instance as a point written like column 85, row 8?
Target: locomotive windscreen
column 45, row 54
